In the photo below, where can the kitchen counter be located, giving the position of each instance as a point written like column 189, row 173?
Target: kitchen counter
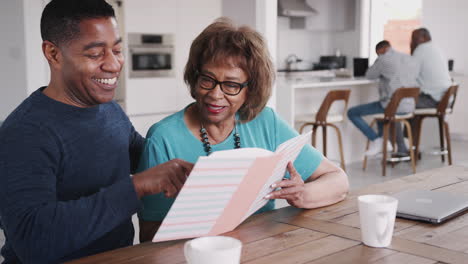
column 287, row 86
column 315, row 81
column 302, row 93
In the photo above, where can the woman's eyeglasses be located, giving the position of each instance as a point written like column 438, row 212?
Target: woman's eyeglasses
column 230, row 88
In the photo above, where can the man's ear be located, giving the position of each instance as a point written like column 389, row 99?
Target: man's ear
column 52, row 53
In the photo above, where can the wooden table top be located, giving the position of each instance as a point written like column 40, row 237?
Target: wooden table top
column 331, row 234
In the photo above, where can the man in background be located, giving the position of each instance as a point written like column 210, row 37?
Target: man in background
column 393, row 70
column 433, row 76
column 67, row 151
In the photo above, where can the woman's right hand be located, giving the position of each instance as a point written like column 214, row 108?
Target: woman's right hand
column 168, row 177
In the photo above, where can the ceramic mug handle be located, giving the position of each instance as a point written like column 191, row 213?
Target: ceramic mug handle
column 187, row 251
column 382, row 235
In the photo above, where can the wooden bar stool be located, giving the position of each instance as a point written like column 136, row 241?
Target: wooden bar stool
column 444, row 108
column 322, row 118
column 390, row 116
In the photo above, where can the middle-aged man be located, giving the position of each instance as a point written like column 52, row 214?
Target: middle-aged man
column 67, row 152
column 393, row 70
column 434, row 78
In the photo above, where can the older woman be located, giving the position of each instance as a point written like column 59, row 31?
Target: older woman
column 230, row 76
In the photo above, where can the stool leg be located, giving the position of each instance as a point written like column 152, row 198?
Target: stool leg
column 393, row 136
column 418, row 123
column 441, row 136
column 324, row 134
column 314, row 135
column 449, row 145
column 340, row 144
column 410, row 141
column 364, row 163
column 386, row 128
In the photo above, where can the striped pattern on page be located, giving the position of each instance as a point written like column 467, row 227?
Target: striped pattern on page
column 203, row 198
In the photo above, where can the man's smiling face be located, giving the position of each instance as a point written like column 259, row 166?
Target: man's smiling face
column 91, row 62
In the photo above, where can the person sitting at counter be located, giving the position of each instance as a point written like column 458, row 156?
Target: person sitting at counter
column 394, row 70
column 433, row 76
column 230, row 75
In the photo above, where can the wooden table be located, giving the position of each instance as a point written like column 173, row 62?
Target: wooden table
column 331, row 234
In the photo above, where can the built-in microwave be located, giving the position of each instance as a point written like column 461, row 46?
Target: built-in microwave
column 151, row 55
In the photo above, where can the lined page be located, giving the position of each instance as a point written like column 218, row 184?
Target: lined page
column 203, row 197
column 289, row 150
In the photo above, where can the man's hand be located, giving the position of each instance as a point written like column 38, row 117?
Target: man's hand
column 168, row 177
column 291, row 189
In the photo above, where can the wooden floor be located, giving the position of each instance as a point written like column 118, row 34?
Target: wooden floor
column 373, row 174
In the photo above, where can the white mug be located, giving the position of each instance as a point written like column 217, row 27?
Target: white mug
column 213, row 250
column 377, row 216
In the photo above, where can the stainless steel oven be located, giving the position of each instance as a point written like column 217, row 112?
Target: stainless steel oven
column 151, row 55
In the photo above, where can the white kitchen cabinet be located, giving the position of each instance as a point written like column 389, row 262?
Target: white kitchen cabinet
column 332, row 15
column 185, row 19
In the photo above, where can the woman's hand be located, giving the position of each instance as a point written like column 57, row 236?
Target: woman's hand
column 292, row 189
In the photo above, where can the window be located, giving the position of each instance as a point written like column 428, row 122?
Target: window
column 393, row 20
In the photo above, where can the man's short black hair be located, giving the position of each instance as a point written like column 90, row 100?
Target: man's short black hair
column 382, row 44
column 424, row 32
column 61, row 18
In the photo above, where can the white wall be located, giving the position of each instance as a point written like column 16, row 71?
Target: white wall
column 23, row 69
column 150, row 99
column 13, row 57
column 241, row 11
column 349, row 42
column 309, row 45
column 37, row 68
column 267, row 23
column 183, row 18
column 261, row 15
column 446, row 20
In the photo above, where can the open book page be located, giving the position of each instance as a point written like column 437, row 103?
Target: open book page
column 242, row 152
column 203, row 197
column 289, row 150
column 224, row 188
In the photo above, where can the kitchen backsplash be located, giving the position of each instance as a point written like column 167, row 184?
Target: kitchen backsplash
column 310, row 45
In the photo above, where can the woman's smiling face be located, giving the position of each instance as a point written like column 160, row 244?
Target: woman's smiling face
column 214, row 105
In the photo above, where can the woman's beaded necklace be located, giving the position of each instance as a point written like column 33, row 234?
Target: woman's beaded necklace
column 206, row 142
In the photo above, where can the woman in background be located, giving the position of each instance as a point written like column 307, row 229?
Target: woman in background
column 230, row 75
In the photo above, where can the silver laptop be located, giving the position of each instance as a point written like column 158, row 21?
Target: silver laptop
column 430, row 206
